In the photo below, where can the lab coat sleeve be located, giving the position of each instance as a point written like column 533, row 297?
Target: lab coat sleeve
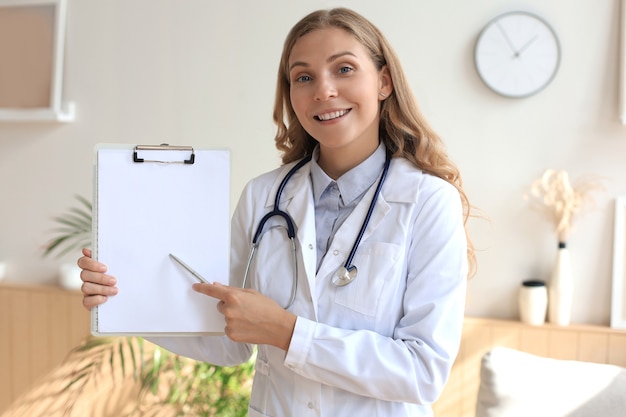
column 413, row 364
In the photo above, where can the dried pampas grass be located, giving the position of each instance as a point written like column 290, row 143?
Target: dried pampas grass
column 560, row 200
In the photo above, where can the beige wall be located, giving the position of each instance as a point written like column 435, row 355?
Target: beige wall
column 202, row 73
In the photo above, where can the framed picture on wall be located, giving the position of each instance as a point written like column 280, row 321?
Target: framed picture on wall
column 32, row 37
column 618, row 303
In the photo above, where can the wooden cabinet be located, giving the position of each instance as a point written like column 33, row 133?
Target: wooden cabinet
column 39, row 325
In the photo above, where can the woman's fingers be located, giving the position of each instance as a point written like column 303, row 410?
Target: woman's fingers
column 93, row 301
column 87, row 275
column 86, row 263
column 97, row 286
column 89, row 288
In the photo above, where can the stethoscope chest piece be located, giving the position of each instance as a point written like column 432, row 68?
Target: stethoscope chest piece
column 344, row 276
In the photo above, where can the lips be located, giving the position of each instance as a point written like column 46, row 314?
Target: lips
column 331, row 115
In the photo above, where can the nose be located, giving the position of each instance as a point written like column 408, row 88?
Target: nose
column 325, row 90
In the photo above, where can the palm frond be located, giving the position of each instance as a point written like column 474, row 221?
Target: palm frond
column 73, row 231
column 177, row 384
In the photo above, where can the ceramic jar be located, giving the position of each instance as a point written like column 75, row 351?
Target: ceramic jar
column 533, row 302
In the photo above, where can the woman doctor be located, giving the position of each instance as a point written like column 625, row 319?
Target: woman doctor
column 372, row 334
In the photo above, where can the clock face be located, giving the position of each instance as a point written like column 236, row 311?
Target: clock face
column 517, row 54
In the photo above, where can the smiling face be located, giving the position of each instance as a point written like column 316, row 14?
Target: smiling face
column 335, row 93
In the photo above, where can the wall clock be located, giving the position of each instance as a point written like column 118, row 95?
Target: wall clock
column 517, row 54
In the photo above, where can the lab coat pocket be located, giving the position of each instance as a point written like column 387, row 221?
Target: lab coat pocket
column 376, row 264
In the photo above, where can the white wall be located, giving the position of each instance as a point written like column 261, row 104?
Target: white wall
column 202, row 73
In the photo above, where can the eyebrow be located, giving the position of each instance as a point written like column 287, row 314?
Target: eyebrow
column 330, row 59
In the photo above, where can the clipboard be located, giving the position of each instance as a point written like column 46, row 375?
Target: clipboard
column 150, row 201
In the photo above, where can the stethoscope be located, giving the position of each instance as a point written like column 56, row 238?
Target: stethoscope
column 344, row 275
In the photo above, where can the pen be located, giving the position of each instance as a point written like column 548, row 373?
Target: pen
column 188, row 268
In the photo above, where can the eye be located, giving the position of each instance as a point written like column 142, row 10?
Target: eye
column 303, row 79
column 345, row 70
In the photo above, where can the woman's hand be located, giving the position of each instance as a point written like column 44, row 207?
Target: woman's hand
column 250, row 316
column 97, row 286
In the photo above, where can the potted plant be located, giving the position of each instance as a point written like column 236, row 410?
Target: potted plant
column 164, row 384
column 73, row 232
column 182, row 385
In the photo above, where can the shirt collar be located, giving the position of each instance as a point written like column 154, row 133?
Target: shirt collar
column 353, row 183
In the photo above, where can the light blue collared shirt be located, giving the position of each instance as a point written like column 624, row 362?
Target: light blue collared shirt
column 335, row 200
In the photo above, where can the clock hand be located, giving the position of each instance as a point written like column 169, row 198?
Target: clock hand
column 526, row 45
column 506, row 38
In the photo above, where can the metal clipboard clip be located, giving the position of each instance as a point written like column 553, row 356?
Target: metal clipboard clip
column 164, row 147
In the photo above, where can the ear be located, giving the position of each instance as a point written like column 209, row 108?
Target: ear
column 385, row 84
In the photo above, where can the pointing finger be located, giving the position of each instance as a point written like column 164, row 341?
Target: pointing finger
column 215, row 290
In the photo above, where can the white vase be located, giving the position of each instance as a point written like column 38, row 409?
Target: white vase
column 533, row 302
column 561, row 288
column 69, row 276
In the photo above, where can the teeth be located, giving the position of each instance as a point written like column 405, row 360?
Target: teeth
column 332, row 115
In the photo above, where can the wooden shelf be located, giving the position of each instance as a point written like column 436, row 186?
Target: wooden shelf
column 546, row 326
column 37, row 287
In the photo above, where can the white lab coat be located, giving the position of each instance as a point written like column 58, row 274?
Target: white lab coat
column 380, row 346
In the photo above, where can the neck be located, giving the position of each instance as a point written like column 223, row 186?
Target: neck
column 336, row 162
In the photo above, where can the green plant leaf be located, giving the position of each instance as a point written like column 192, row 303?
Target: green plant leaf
column 195, row 388
column 73, row 231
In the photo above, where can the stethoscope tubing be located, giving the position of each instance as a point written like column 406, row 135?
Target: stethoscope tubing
column 348, row 271
column 348, row 265
column 291, row 230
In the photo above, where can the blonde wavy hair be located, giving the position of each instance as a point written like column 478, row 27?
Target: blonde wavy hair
column 403, row 128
